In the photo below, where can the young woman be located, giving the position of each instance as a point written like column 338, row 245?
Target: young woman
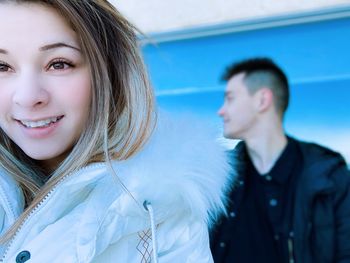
column 88, row 172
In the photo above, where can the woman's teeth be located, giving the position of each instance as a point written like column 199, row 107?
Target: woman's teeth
column 41, row 123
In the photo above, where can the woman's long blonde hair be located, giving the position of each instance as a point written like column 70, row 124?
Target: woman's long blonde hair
column 122, row 114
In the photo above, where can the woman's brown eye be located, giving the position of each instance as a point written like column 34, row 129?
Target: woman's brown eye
column 4, row 68
column 58, row 65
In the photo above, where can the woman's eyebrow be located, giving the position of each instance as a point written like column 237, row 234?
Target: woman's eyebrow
column 57, row 45
column 47, row 47
column 3, row 51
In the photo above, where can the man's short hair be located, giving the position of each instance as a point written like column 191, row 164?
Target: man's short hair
column 262, row 72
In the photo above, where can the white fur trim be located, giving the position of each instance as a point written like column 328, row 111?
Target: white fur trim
column 182, row 168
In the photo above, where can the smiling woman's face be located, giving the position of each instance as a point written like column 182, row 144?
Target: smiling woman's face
column 45, row 86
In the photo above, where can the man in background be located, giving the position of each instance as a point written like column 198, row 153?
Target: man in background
column 291, row 199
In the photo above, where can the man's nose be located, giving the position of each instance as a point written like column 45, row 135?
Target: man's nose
column 221, row 111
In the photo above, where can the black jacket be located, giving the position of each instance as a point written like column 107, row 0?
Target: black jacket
column 321, row 212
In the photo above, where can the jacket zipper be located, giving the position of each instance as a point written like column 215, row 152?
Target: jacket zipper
column 290, row 250
column 35, row 209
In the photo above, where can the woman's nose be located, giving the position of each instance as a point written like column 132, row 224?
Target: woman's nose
column 29, row 91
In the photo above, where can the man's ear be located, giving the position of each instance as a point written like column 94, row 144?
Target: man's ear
column 265, row 99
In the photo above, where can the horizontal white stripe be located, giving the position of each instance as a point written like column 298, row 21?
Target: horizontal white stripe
column 220, row 88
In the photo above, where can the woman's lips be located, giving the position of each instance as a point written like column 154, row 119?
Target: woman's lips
column 40, row 129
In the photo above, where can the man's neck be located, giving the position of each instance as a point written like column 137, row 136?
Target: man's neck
column 265, row 149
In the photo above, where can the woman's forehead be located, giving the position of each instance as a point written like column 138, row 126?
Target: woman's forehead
column 34, row 24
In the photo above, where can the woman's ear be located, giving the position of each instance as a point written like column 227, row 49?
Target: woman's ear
column 265, row 100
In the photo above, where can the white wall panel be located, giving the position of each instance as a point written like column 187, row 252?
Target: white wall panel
column 168, row 15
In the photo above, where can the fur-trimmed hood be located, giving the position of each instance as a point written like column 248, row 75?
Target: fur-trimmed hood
column 97, row 213
column 183, row 165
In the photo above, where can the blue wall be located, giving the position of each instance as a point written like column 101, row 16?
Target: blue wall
column 315, row 56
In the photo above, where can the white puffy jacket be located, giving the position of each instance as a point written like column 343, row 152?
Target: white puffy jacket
column 91, row 217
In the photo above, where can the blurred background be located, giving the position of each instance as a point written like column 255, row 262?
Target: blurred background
column 188, row 44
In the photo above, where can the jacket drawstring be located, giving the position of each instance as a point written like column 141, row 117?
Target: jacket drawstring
column 148, row 206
